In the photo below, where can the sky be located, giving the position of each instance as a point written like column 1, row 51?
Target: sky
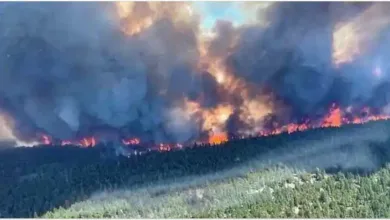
column 213, row 11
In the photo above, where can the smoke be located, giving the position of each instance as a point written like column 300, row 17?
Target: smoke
column 295, row 55
column 151, row 71
column 70, row 71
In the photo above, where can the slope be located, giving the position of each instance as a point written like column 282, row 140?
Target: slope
column 200, row 181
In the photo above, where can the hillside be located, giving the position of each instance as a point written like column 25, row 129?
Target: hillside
column 284, row 175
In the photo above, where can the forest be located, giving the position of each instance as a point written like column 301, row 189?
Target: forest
column 63, row 181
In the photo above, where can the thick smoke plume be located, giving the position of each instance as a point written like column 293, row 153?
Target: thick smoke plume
column 151, row 71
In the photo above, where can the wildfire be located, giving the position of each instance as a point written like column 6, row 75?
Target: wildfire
column 84, row 142
column 168, row 147
column 215, row 119
column 46, row 139
column 350, row 39
column 133, row 141
column 336, row 117
column 138, row 16
column 88, row 142
column 218, row 138
column 253, row 109
column 253, row 113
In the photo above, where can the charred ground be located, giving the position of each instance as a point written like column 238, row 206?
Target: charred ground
column 37, row 180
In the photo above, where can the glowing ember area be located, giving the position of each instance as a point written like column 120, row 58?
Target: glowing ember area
column 218, row 138
column 46, row 139
column 84, row 142
column 168, row 147
column 88, row 142
column 133, row 141
column 336, row 117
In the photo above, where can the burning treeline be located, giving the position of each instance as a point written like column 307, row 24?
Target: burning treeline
column 151, row 72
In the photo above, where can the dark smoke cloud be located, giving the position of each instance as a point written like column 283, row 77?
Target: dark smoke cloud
column 67, row 70
column 294, row 55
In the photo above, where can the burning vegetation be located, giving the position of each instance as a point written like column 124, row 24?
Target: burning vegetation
column 154, row 74
column 335, row 118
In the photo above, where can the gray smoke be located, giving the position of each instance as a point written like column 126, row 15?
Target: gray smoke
column 293, row 55
column 67, row 69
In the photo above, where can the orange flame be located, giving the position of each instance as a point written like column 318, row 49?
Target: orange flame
column 218, row 138
column 84, row 142
column 88, row 142
column 335, row 118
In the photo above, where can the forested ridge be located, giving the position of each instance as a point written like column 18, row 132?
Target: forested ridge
column 51, row 181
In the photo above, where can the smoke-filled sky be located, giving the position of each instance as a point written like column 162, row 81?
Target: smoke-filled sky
column 177, row 72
